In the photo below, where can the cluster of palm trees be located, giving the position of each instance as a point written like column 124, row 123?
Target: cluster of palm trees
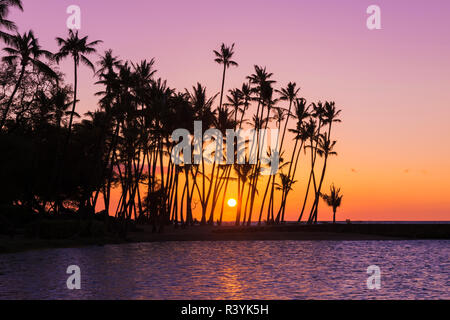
column 124, row 146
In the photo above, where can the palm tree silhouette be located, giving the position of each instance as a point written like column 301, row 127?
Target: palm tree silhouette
column 223, row 121
column 286, row 183
column 202, row 107
column 301, row 113
column 310, row 129
column 246, row 96
column 61, row 101
column 261, row 80
column 235, row 101
column 279, row 116
column 126, row 145
column 78, row 48
column 334, row 199
column 329, row 115
column 224, row 57
column 109, row 72
column 107, row 63
column 25, row 50
column 324, row 149
column 288, row 94
column 5, row 23
column 243, row 172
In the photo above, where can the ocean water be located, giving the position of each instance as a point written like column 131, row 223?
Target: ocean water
column 233, row 270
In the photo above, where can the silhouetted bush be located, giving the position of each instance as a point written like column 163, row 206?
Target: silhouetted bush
column 16, row 216
column 58, row 229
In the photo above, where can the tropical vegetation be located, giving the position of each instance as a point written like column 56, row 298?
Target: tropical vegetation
column 114, row 161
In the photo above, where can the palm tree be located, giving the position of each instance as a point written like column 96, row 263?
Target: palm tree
column 286, row 183
column 324, row 149
column 61, row 101
column 263, row 86
column 261, row 79
column 310, row 128
column 246, row 96
column 224, row 57
column 279, row 117
column 334, row 199
column 5, row 23
column 107, row 63
column 288, row 94
column 78, row 48
column 235, row 102
column 243, row 171
column 223, row 121
column 301, row 113
column 202, row 106
column 111, row 73
column 260, row 76
column 329, row 116
column 25, row 50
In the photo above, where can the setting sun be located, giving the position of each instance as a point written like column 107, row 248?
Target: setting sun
column 232, row 202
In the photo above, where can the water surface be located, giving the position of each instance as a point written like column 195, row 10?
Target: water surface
column 232, row 270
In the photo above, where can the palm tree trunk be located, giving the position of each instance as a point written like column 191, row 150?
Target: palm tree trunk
column 75, row 87
column 255, row 176
column 316, row 201
column 306, row 198
column 218, row 185
column 111, row 150
column 182, row 206
column 223, row 85
column 203, row 200
column 189, row 219
column 291, row 165
column 69, row 133
column 286, row 124
column 239, row 206
column 175, row 204
column 10, row 101
column 270, row 177
column 264, row 200
column 224, row 193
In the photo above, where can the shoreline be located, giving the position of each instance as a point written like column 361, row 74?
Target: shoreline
column 287, row 232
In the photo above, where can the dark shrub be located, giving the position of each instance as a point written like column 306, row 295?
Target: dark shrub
column 58, row 229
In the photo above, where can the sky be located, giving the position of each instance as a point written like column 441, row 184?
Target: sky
column 391, row 84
